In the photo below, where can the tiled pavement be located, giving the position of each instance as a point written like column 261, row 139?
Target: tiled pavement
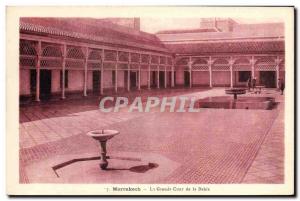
column 268, row 166
column 217, row 154
column 46, row 123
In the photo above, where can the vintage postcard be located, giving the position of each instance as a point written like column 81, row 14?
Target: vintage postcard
column 150, row 100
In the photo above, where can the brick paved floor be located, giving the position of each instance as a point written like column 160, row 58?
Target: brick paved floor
column 268, row 166
column 212, row 146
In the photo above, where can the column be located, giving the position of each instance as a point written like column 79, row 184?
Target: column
column 231, row 71
column 277, row 71
column 116, row 73
column 85, row 72
column 149, row 74
column 128, row 72
column 139, row 81
column 38, row 66
column 190, row 70
column 63, row 71
column 165, row 76
column 173, row 78
column 252, row 67
column 102, row 71
column 210, row 71
column 158, row 76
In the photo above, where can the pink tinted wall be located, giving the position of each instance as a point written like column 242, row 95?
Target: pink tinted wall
column 24, row 82
column 55, row 81
column 221, row 78
column 200, row 78
column 75, row 80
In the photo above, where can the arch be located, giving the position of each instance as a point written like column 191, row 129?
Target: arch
column 154, row 59
column 267, row 60
column 221, row 61
column 135, row 57
column 200, row 61
column 51, row 51
column 145, row 58
column 169, row 60
column 27, row 48
column 242, row 61
column 75, row 53
column 94, row 55
column 123, row 56
column 162, row 60
column 182, row 61
column 110, row 55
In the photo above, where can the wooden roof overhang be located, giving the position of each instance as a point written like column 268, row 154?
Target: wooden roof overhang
column 33, row 30
column 249, row 46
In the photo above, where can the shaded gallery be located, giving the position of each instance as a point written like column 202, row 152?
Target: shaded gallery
column 64, row 56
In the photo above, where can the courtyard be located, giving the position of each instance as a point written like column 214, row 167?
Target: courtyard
column 211, row 146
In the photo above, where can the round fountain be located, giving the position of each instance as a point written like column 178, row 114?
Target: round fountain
column 235, row 91
column 102, row 136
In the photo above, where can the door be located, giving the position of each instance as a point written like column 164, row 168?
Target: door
column 153, row 79
column 45, row 84
column 170, row 79
column 33, row 83
column 186, row 78
column 267, row 78
column 133, row 79
column 174, row 78
column 96, row 81
column 161, row 78
column 126, row 78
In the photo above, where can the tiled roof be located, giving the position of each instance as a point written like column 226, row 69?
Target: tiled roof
column 228, row 47
column 91, row 29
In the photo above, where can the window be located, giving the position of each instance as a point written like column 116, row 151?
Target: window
column 66, row 78
column 244, row 76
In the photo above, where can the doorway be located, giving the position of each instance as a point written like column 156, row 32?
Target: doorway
column 45, row 84
column 186, row 78
column 174, row 78
column 133, row 79
column 153, row 79
column 161, row 78
column 33, row 83
column 96, row 81
column 169, row 79
column 268, row 78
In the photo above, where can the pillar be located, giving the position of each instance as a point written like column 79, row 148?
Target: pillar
column 231, row 71
column 277, row 71
column 85, row 72
column 38, row 66
column 116, row 73
column 128, row 72
column 252, row 67
column 165, row 76
column 63, row 71
column 139, row 76
column 190, row 70
column 102, row 71
column 149, row 77
column 157, row 76
column 210, row 71
column 173, row 78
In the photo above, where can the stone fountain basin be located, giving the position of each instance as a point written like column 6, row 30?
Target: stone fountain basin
column 226, row 102
column 103, row 135
column 235, row 91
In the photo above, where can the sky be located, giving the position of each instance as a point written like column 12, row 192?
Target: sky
column 153, row 25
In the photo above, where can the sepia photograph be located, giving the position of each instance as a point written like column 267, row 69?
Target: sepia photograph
column 147, row 103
